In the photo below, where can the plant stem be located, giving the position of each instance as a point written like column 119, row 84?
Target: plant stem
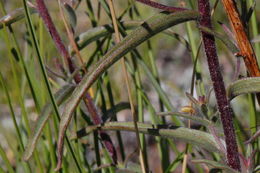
column 219, row 87
column 161, row 6
column 77, row 78
column 246, row 49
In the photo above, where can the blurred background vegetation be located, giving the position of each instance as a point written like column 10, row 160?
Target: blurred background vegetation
column 172, row 55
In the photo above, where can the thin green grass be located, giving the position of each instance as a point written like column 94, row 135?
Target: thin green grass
column 29, row 74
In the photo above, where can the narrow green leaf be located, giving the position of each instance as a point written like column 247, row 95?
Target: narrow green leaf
column 148, row 29
column 111, row 113
column 191, row 136
column 14, row 16
column 244, row 86
column 163, row 96
column 5, row 160
column 215, row 164
column 175, row 163
column 60, row 97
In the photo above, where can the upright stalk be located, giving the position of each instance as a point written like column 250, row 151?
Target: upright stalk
column 219, row 87
column 77, row 78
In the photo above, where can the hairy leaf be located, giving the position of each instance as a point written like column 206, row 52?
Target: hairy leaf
column 191, row 136
column 244, row 86
column 215, row 164
column 94, row 34
column 14, row 16
column 149, row 28
column 60, row 97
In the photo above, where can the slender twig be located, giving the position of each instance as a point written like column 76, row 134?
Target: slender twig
column 87, row 99
column 219, row 87
column 161, row 6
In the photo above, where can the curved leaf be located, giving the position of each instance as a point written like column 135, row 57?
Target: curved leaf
column 60, row 97
column 244, row 86
column 14, row 16
column 215, row 164
column 114, row 110
column 149, row 28
column 192, row 136
column 94, row 34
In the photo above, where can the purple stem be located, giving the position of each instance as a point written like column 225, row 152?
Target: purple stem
column 219, row 87
column 43, row 11
column 161, row 6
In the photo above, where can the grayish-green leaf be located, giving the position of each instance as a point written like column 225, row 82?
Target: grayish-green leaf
column 195, row 117
column 192, row 136
column 215, row 164
column 94, row 34
column 60, row 97
column 154, row 25
column 244, row 86
column 14, row 16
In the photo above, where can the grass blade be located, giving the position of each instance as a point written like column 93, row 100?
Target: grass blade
column 192, row 136
column 215, row 164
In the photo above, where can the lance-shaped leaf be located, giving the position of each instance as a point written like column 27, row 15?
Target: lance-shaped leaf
column 215, row 164
column 94, row 34
column 191, row 136
column 14, row 16
column 244, row 86
column 60, row 97
column 154, row 25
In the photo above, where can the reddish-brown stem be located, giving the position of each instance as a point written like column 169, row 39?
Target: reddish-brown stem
column 219, row 87
column 246, row 49
column 43, row 11
column 161, row 6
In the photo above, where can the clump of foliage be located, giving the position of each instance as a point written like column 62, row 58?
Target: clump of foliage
column 71, row 100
